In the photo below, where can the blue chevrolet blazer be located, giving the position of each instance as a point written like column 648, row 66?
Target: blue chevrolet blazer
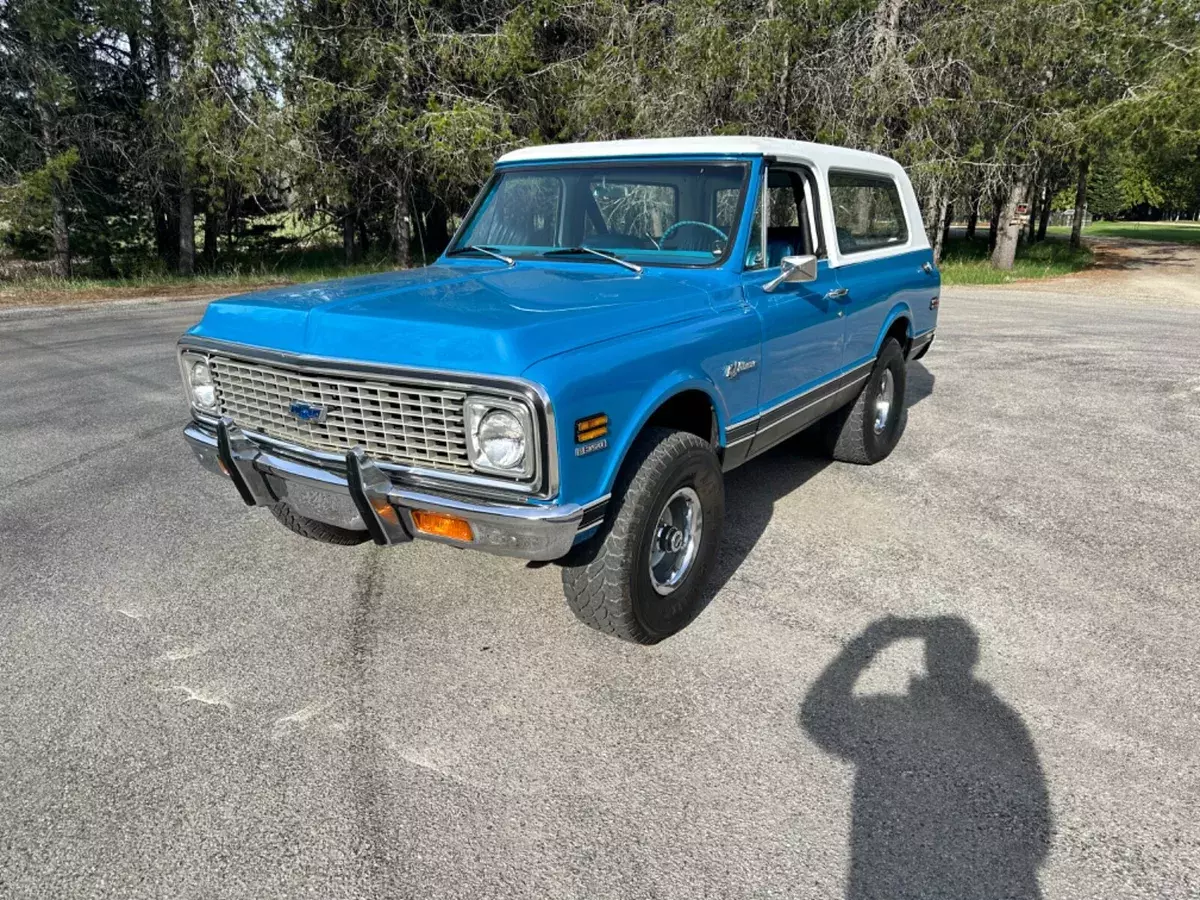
column 613, row 327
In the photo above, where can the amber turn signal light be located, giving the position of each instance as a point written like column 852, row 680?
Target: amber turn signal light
column 441, row 525
column 385, row 510
column 591, row 428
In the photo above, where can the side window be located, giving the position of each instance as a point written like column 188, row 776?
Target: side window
column 783, row 204
column 867, row 212
column 754, row 249
column 788, row 231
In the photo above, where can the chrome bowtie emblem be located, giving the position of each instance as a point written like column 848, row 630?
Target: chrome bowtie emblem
column 308, row 412
column 737, row 367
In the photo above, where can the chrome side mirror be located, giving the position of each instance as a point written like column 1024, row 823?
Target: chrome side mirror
column 793, row 268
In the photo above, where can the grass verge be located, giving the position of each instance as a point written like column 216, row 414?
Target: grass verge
column 967, row 261
column 38, row 291
column 1167, row 232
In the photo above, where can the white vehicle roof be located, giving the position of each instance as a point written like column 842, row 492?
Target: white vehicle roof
column 822, row 155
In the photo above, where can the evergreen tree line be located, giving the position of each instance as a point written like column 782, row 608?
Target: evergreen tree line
column 185, row 131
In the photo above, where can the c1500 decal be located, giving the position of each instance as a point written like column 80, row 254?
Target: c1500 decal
column 585, row 449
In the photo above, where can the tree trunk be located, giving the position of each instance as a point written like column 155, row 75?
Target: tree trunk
column 1080, row 204
column 212, row 231
column 437, row 227
column 187, row 222
column 1034, row 212
column 1009, row 229
column 885, row 39
column 947, row 219
column 401, row 227
column 940, row 206
column 973, row 216
column 1044, row 218
column 994, row 222
column 61, row 266
column 348, row 237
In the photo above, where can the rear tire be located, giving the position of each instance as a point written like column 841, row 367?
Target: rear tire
column 867, row 430
column 643, row 577
column 314, row 530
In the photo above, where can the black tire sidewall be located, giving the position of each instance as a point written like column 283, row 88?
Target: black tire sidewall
column 879, row 445
column 663, row 615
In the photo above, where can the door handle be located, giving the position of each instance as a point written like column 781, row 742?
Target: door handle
column 927, row 268
column 838, row 294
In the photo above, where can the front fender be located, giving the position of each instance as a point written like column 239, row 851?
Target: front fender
column 628, row 379
column 670, row 385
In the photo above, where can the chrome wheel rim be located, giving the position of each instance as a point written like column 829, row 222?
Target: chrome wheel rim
column 676, row 540
column 883, row 400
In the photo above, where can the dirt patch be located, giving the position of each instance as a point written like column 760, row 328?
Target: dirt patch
column 1131, row 269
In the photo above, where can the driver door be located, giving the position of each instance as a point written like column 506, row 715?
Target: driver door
column 802, row 322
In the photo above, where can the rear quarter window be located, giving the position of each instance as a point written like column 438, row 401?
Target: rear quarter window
column 867, row 212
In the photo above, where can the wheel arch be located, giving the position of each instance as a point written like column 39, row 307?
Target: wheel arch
column 898, row 324
column 690, row 404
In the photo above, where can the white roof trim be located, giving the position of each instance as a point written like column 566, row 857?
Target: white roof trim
column 796, row 151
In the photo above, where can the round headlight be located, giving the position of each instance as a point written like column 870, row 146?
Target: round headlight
column 501, row 439
column 204, row 394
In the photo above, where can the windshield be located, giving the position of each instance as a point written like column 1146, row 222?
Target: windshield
column 669, row 213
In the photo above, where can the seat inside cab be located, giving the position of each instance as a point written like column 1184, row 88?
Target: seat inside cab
column 787, row 224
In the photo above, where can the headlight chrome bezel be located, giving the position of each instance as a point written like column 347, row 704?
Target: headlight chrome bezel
column 187, row 364
column 475, row 409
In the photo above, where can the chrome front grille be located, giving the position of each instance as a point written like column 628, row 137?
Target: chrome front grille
column 407, row 424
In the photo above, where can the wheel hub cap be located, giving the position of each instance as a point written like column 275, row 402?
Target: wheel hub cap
column 676, row 540
column 883, row 400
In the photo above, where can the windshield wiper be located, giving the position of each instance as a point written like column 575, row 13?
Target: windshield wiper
column 490, row 251
column 559, row 251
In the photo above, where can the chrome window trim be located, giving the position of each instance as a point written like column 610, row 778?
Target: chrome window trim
column 545, row 484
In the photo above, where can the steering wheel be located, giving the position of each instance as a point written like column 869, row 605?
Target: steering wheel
column 672, row 229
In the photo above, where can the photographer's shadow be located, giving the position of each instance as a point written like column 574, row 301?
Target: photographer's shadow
column 949, row 797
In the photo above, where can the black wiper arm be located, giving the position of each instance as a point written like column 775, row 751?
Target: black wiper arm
column 490, row 251
column 560, row 251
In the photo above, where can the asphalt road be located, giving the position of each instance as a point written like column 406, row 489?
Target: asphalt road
column 196, row 703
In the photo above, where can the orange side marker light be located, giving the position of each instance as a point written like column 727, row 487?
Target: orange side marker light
column 441, row 525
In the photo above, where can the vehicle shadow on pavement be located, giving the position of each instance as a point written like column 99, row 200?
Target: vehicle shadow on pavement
column 752, row 490
column 949, row 798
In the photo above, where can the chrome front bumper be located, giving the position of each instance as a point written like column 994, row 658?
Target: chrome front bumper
column 366, row 499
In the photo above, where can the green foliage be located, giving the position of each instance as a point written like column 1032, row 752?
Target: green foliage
column 1105, row 195
column 373, row 122
column 1165, row 232
column 966, row 262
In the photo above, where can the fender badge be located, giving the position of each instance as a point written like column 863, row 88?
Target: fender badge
column 585, row 449
column 737, row 367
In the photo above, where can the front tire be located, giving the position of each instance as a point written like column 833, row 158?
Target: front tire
column 314, row 530
column 867, row 430
column 643, row 577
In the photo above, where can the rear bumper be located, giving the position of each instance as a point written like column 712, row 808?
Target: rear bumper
column 363, row 498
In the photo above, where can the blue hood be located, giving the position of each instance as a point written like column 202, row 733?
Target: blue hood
column 486, row 318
